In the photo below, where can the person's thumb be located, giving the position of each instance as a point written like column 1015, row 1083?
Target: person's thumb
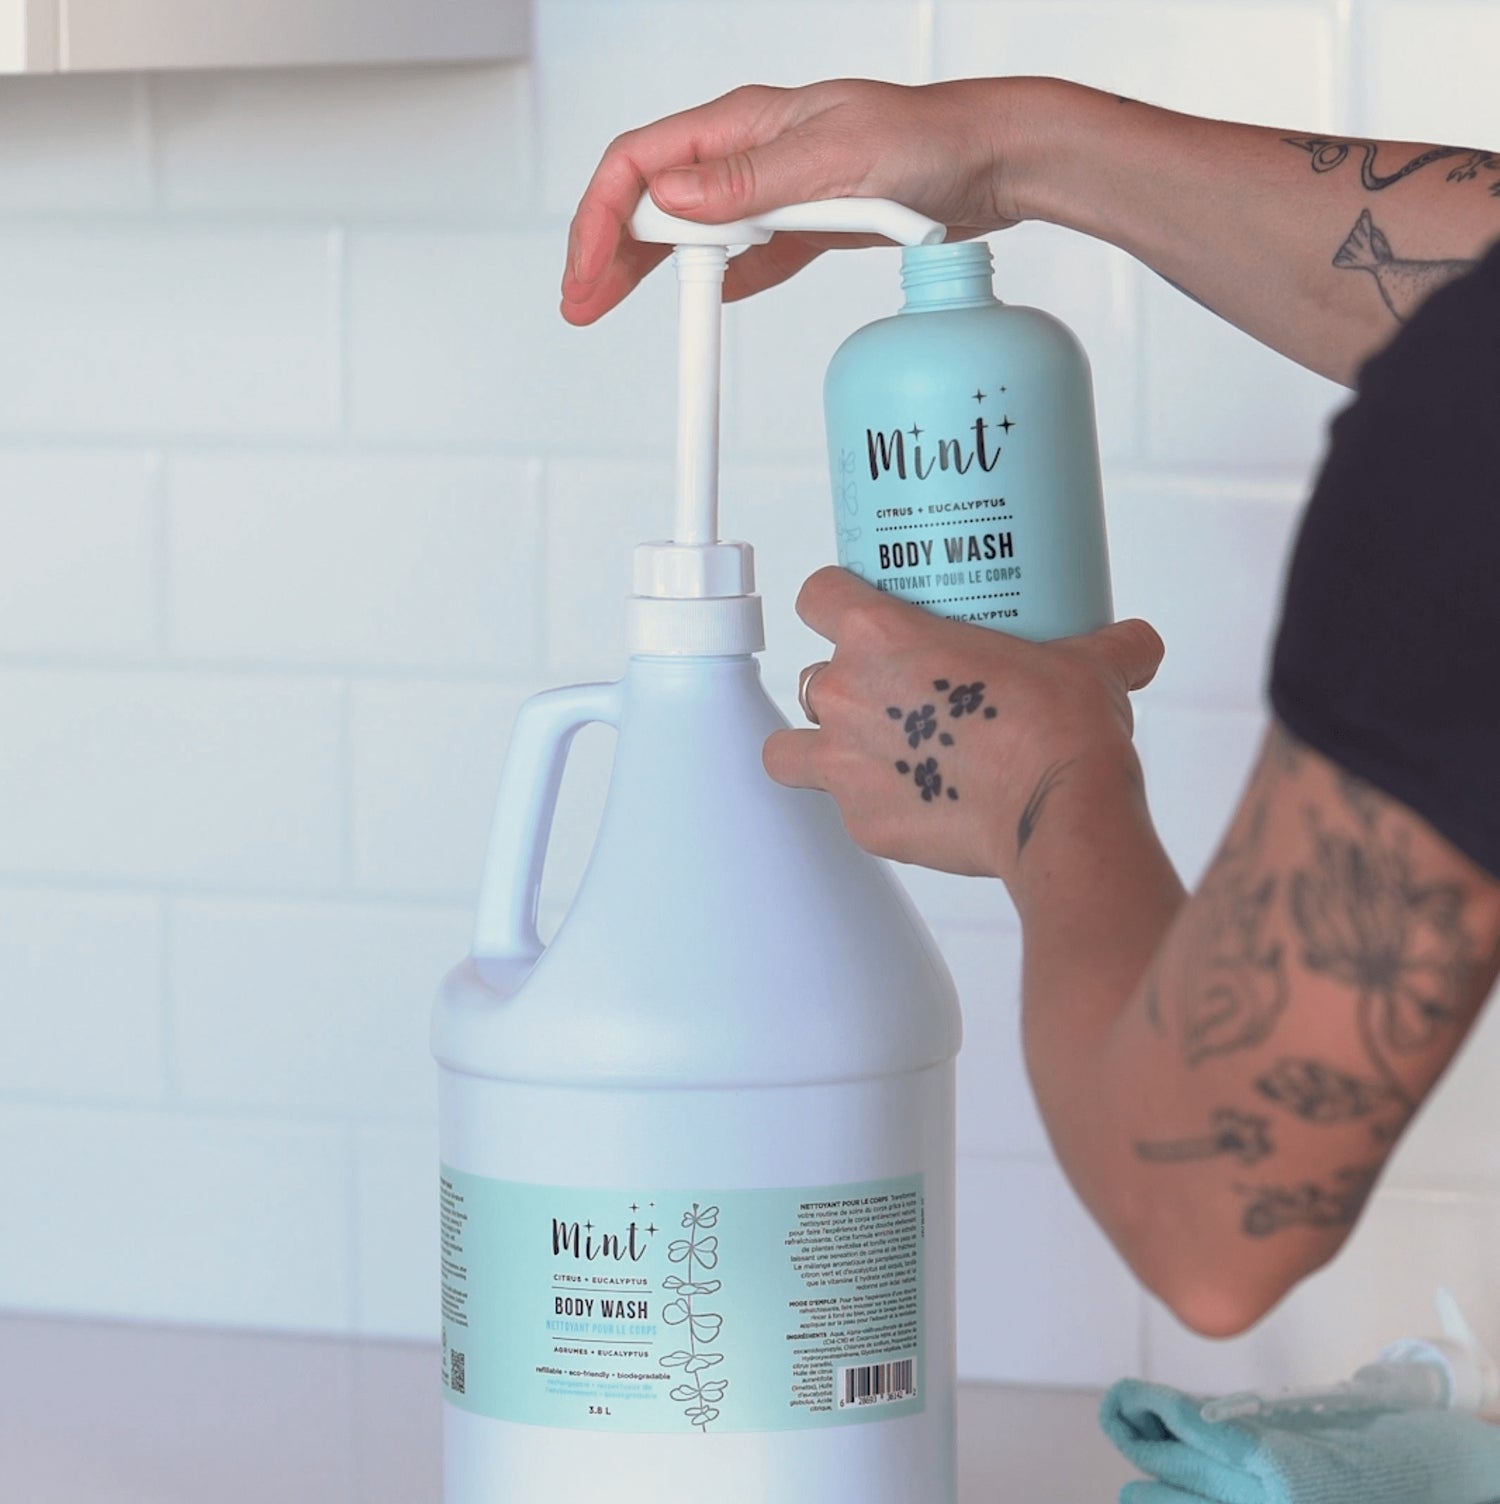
column 738, row 185
column 1132, row 648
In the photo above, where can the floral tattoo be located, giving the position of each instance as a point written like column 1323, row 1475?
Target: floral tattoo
column 920, row 724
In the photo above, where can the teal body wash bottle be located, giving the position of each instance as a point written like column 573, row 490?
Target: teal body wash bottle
column 964, row 455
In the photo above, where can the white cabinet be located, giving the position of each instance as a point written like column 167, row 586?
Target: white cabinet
column 90, row 36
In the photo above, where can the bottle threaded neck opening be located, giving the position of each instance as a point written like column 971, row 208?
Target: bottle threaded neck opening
column 960, row 275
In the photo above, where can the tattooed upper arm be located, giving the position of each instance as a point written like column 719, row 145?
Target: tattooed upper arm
column 1306, row 999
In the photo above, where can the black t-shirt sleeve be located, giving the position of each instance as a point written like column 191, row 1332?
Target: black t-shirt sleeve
column 1387, row 659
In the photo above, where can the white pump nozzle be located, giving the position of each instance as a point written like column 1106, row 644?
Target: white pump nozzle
column 694, row 595
column 869, row 216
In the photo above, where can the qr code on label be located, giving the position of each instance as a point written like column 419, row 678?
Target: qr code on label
column 456, row 1372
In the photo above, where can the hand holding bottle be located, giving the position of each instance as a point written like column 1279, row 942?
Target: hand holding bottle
column 934, row 148
column 946, row 744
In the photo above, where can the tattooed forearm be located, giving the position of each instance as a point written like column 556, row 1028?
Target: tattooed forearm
column 1229, row 982
column 1326, row 154
column 1365, row 919
column 1319, row 1093
column 1238, row 1135
column 1273, row 1207
column 1404, row 284
column 1026, row 825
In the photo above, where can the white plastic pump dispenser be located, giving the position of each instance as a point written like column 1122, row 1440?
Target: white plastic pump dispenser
column 697, row 1152
column 1451, row 1372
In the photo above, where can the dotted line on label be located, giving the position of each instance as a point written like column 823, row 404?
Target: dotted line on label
column 958, row 600
column 909, row 527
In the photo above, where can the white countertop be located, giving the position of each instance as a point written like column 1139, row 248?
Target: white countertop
column 98, row 1413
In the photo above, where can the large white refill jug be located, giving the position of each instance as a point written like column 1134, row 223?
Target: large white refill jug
column 697, row 1152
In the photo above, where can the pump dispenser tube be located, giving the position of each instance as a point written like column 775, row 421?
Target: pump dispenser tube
column 700, row 303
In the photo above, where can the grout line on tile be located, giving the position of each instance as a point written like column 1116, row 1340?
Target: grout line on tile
column 436, row 222
column 208, row 892
column 348, row 811
column 252, row 668
column 1143, row 442
column 326, row 443
column 925, row 51
column 168, row 1002
column 540, row 474
column 1125, row 305
column 1144, row 1354
column 159, row 490
column 339, row 254
column 186, row 1110
column 353, row 1256
column 1360, row 31
column 533, row 193
column 143, row 126
column 1341, row 101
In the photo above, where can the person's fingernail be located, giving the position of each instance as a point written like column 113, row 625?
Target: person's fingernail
column 680, row 189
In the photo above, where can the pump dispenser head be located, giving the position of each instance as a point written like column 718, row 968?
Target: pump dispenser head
column 694, row 595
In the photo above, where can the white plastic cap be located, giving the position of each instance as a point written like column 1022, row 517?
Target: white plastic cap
column 689, row 571
column 694, row 600
column 870, row 216
column 1473, row 1378
column 1472, row 1375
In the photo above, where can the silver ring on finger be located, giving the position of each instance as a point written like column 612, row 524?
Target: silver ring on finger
column 804, row 683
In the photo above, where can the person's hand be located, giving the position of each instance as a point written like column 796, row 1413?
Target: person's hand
column 945, row 744
column 936, row 148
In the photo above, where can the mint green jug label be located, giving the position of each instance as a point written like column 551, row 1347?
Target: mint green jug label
column 683, row 1310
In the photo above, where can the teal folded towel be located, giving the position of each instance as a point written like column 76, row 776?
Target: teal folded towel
column 1387, row 1457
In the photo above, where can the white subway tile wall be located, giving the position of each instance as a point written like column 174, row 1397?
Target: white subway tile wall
column 304, row 485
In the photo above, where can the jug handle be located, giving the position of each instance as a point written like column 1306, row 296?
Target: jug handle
column 505, row 919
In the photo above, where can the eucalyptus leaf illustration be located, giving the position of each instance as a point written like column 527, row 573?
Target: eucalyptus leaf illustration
column 699, row 1250
column 706, row 1328
column 692, row 1286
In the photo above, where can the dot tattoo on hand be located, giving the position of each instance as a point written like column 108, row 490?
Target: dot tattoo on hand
column 920, row 725
column 929, row 780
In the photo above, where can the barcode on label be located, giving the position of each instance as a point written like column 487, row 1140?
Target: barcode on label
column 878, row 1383
column 456, row 1372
